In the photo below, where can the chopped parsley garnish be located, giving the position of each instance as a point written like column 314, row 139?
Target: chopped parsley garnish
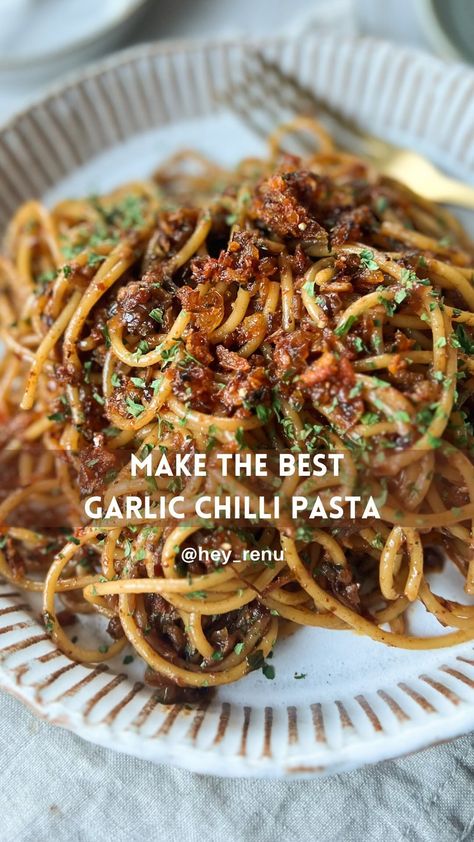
column 408, row 277
column 256, row 661
column 110, row 432
column 345, row 327
column 304, row 533
column 370, row 418
column 356, row 390
column 400, row 295
column 168, row 354
column 139, row 382
column 157, row 315
column 367, row 259
column 358, row 344
column 48, row 621
column 175, row 484
column 403, row 416
column 142, row 348
column 382, row 384
column 465, row 342
column 211, row 438
column 46, row 277
column 133, row 407
column 87, row 368
column 268, row 671
column 445, row 242
column 240, row 437
column 95, row 259
column 262, row 412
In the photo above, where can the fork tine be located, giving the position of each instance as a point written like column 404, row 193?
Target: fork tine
column 289, row 88
column 349, row 135
column 273, row 111
column 261, row 106
column 281, row 105
column 278, row 97
column 266, row 96
column 283, row 85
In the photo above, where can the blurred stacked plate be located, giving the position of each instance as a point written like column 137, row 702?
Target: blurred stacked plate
column 44, row 38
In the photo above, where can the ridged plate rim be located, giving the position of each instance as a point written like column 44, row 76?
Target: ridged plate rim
column 220, row 738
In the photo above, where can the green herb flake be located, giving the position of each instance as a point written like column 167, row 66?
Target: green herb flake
column 139, row 382
column 403, row 416
column 240, row 437
column 133, row 407
column 48, row 620
column 95, row 259
column 367, row 260
column 345, row 327
column 263, row 412
column 157, row 315
column 400, row 295
column 304, row 533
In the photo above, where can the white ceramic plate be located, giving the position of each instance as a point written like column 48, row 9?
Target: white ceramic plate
column 42, row 39
column 360, row 701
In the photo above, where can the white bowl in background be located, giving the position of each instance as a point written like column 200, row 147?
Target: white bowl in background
column 449, row 27
column 44, row 38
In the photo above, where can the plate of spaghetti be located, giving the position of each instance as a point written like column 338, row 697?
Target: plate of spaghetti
column 173, row 289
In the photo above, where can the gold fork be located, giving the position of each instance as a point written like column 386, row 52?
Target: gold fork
column 266, row 96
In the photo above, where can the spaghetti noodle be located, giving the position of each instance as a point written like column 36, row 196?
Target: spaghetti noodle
column 301, row 305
